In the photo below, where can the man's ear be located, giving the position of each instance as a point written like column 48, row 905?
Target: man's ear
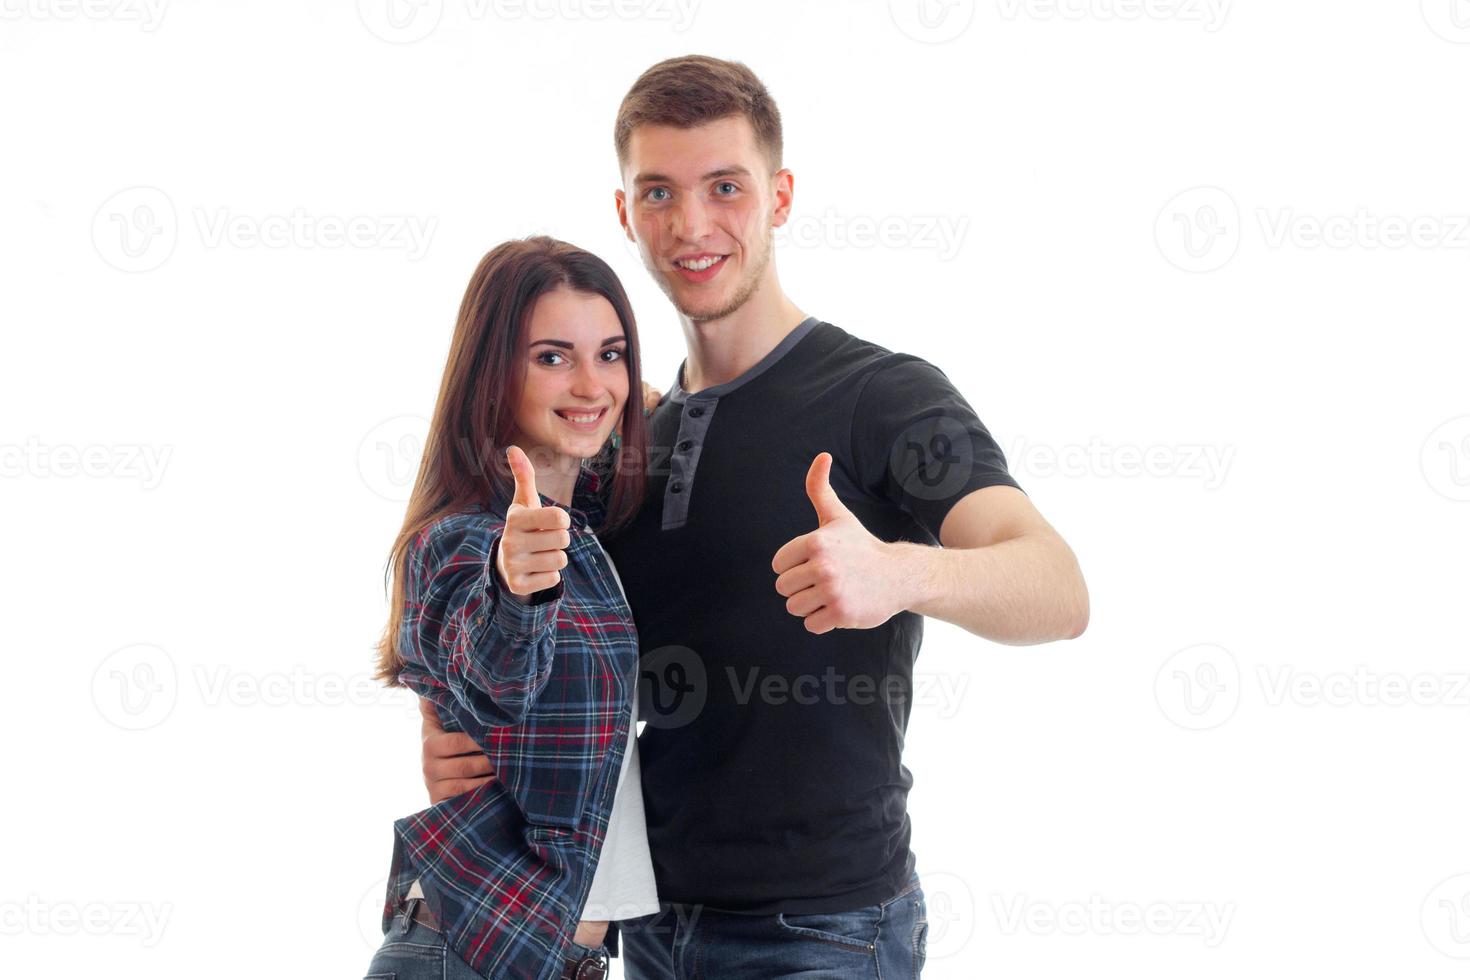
column 622, row 202
column 783, row 185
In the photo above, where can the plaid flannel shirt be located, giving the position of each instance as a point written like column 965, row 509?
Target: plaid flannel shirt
column 545, row 687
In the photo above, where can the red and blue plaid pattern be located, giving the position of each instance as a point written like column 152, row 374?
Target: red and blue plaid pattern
column 545, row 688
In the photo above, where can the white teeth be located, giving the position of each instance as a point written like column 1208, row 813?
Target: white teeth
column 580, row 418
column 699, row 265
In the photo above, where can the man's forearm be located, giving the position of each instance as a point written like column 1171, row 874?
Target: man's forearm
column 1028, row 589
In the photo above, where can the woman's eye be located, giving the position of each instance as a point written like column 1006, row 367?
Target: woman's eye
column 616, row 352
column 542, row 358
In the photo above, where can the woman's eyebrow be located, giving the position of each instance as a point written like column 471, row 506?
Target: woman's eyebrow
column 568, row 345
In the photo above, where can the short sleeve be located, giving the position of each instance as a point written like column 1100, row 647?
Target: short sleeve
column 917, row 443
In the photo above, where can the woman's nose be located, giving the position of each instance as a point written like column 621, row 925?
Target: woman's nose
column 585, row 382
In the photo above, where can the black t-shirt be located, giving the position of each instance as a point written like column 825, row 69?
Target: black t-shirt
column 772, row 771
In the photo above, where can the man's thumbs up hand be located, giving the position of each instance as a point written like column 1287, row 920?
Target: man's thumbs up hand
column 819, row 491
column 533, row 546
column 834, row 577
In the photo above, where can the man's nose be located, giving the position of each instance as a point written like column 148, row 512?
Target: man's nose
column 691, row 219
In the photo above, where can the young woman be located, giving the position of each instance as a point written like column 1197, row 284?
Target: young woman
column 507, row 614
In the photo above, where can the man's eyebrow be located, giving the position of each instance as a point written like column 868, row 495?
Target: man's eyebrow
column 568, row 345
column 730, row 171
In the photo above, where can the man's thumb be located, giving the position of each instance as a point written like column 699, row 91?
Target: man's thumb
column 819, row 490
column 525, row 476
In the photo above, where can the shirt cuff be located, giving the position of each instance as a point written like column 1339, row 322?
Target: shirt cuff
column 520, row 616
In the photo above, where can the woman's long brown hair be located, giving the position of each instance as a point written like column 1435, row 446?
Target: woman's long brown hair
column 464, row 455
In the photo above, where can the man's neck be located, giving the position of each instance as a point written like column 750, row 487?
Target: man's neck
column 722, row 350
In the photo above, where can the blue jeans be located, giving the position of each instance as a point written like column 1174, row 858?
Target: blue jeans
column 879, row 942
column 413, row 951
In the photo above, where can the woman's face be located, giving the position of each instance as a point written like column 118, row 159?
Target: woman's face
column 576, row 376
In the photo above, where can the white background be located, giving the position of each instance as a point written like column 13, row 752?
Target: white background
column 1204, row 278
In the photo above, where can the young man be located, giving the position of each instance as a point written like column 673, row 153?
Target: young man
column 781, row 569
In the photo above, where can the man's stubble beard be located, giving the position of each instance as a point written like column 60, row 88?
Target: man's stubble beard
column 742, row 295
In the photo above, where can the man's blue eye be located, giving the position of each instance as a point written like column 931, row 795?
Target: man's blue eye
column 724, row 184
column 657, row 190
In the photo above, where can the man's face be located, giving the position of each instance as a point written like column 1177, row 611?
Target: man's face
column 701, row 204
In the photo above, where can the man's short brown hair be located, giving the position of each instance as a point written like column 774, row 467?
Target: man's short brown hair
column 693, row 90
